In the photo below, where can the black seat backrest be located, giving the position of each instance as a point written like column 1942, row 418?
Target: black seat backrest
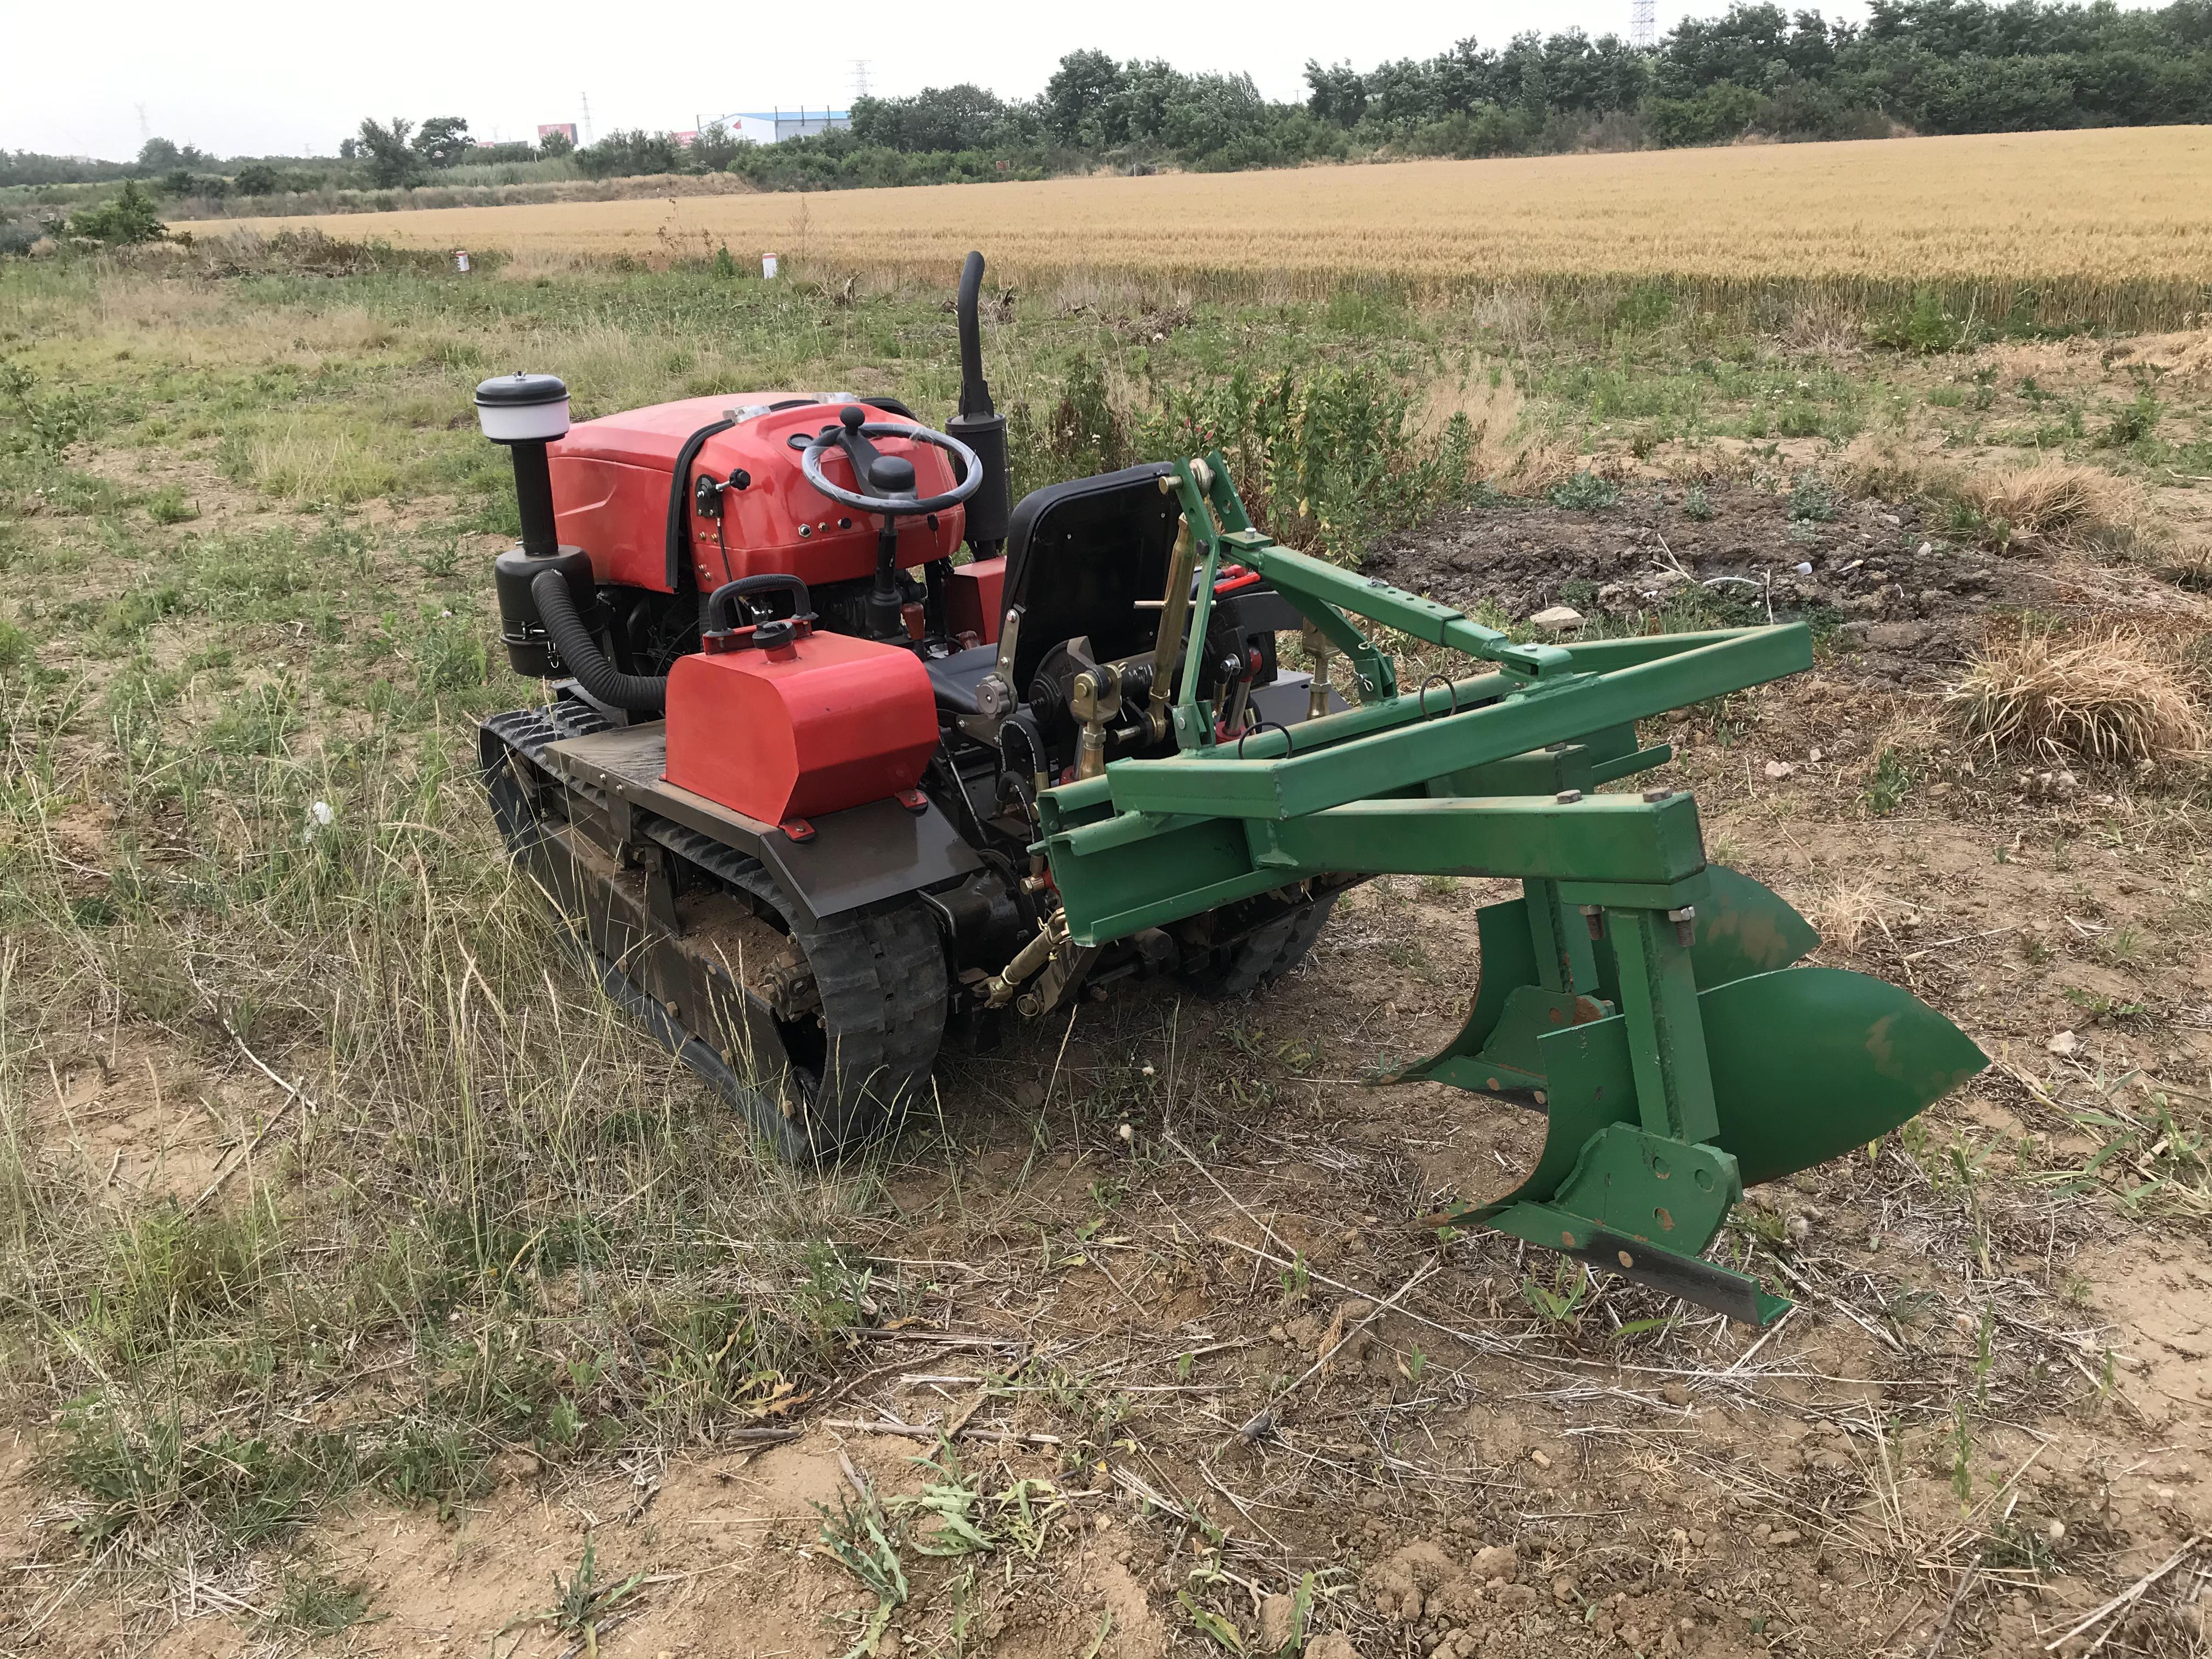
column 1080, row 555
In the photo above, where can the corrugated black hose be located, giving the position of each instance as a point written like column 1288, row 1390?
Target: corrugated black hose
column 641, row 694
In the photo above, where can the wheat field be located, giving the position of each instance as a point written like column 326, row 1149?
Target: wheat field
column 2104, row 208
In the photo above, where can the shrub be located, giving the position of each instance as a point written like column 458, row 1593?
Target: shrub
column 1925, row 327
column 1584, row 492
column 126, row 218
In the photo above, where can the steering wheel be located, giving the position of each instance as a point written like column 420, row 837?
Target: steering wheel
column 887, row 481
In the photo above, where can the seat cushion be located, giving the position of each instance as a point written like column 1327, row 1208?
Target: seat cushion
column 953, row 678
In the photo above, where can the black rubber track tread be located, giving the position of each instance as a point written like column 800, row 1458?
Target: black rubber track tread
column 1263, row 955
column 881, row 979
column 881, row 972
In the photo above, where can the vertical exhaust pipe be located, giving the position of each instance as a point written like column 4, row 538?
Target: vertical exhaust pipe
column 981, row 427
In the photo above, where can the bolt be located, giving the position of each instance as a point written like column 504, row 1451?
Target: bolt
column 1569, row 796
column 1594, row 915
column 1685, row 925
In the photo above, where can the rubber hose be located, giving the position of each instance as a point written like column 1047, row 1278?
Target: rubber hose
column 641, row 694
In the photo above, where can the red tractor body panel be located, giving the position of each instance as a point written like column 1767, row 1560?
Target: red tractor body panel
column 827, row 722
column 611, row 480
column 974, row 599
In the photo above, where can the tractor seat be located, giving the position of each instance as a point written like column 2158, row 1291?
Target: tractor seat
column 953, row 678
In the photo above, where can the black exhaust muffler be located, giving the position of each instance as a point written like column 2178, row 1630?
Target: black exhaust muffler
column 981, row 427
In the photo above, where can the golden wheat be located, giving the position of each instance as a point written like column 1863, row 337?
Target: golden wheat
column 2113, row 207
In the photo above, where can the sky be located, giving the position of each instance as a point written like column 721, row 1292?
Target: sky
column 249, row 77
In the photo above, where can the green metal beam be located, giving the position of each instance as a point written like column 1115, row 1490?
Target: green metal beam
column 1216, row 782
column 1598, row 837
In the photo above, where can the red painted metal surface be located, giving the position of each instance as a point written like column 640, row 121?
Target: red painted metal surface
column 826, row 722
column 611, row 486
column 974, row 599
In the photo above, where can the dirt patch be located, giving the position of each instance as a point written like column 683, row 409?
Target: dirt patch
column 1908, row 602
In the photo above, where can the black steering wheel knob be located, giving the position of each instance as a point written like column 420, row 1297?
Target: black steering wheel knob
column 852, row 415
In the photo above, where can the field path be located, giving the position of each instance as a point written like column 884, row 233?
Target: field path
column 2108, row 205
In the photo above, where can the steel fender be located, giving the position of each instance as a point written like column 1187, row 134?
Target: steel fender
column 865, row 855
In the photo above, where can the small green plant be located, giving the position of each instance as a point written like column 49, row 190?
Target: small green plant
column 1212, row 1624
column 1696, row 504
column 1924, row 327
column 725, row 267
column 1891, row 783
column 581, row 1603
column 862, row 1540
column 1558, row 1304
column 1297, row 1279
column 316, row 1604
column 167, row 505
column 1962, row 1456
column 1811, row 501
column 2136, row 420
column 41, row 424
column 1584, row 492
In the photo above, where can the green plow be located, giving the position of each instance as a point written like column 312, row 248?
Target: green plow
column 1647, row 1002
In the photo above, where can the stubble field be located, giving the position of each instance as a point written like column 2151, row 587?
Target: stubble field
column 368, row 1285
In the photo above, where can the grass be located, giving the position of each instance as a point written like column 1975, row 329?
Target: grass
column 2110, row 696
column 237, row 816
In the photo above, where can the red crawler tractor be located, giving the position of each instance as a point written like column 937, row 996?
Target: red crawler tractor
column 789, row 783
column 812, row 792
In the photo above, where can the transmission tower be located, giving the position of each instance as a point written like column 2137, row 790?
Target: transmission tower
column 145, row 132
column 861, row 66
column 585, row 99
column 1643, row 25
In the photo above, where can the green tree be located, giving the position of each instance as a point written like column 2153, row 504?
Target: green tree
column 125, row 218
column 255, row 179
column 159, row 156
column 391, row 162
column 554, row 144
column 443, row 141
column 1077, row 96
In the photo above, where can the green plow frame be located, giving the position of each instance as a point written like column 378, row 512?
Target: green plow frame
column 1644, row 998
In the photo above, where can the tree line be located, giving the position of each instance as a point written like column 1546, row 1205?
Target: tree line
column 1930, row 66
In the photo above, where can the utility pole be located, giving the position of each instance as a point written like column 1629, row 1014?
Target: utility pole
column 1643, row 25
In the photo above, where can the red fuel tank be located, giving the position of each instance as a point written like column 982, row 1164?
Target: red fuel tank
column 613, row 482
column 814, row 724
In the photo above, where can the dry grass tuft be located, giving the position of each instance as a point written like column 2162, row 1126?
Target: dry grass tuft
column 1845, row 913
column 2110, row 696
column 2053, row 496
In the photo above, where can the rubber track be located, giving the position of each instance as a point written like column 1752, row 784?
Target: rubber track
column 1264, row 955
column 880, row 972
column 881, row 976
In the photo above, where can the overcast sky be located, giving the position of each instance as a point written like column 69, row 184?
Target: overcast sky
column 260, row 77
